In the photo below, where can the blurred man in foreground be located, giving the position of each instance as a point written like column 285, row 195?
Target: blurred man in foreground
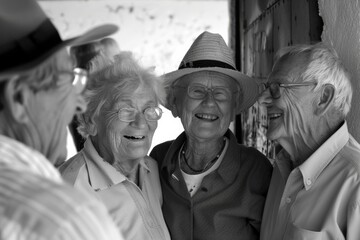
column 39, row 94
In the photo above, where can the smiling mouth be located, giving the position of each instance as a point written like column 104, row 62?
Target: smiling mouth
column 134, row 137
column 273, row 116
column 207, row 117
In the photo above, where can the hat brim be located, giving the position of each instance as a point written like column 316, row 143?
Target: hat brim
column 249, row 86
column 89, row 36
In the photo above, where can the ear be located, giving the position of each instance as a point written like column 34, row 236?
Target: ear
column 174, row 110
column 92, row 126
column 326, row 99
column 16, row 97
column 171, row 104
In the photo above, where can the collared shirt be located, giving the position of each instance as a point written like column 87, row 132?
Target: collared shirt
column 136, row 210
column 35, row 203
column 229, row 202
column 320, row 199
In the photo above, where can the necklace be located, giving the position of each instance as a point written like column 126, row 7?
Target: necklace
column 208, row 164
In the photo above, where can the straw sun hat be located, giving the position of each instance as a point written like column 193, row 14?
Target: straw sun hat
column 209, row 52
column 28, row 37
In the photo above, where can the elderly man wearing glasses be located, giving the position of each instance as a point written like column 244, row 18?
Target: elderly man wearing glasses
column 119, row 124
column 315, row 186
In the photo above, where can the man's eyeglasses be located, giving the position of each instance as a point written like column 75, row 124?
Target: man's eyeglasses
column 274, row 87
column 129, row 114
column 198, row 91
column 81, row 77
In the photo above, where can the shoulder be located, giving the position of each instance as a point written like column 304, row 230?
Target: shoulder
column 162, row 146
column 70, row 169
column 159, row 151
column 252, row 156
column 51, row 206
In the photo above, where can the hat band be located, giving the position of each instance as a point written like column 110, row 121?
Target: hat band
column 205, row 64
column 29, row 47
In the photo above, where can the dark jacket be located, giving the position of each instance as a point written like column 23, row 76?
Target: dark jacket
column 228, row 205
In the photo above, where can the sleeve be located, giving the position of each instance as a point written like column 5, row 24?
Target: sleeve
column 353, row 216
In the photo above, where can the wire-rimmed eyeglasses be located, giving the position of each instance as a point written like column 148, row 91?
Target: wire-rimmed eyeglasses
column 129, row 114
column 198, row 91
column 274, row 87
column 81, row 77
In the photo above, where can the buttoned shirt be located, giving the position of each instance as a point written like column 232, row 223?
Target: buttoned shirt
column 320, row 199
column 35, row 203
column 135, row 209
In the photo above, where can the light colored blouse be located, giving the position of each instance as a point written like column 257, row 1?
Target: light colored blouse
column 135, row 210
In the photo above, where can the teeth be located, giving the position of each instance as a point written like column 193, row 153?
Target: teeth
column 206, row 116
column 135, row 137
column 274, row 115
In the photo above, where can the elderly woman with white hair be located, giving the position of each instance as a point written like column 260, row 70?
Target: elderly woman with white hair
column 123, row 109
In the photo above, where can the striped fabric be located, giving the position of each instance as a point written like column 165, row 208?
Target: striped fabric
column 35, row 203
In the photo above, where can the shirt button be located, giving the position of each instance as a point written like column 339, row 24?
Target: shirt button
column 308, row 181
column 288, row 200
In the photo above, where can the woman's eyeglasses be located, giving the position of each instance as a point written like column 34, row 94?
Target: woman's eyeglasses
column 129, row 114
column 274, row 87
column 199, row 92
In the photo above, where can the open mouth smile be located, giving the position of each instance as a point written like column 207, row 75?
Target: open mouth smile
column 134, row 137
column 273, row 116
column 206, row 117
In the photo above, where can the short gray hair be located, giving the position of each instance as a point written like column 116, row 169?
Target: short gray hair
column 324, row 67
column 111, row 77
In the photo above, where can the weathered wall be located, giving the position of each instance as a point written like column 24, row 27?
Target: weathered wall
column 342, row 30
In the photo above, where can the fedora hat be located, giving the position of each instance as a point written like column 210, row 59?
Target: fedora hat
column 209, row 52
column 28, row 37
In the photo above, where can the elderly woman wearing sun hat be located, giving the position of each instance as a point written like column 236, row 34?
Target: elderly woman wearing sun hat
column 213, row 188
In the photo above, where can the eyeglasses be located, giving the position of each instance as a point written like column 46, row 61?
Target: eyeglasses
column 129, row 114
column 81, row 77
column 275, row 87
column 198, row 91
column 78, row 76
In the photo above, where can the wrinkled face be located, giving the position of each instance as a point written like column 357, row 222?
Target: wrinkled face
column 127, row 140
column 51, row 110
column 291, row 115
column 210, row 117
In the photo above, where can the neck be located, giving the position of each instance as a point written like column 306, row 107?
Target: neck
column 301, row 146
column 128, row 167
column 200, row 156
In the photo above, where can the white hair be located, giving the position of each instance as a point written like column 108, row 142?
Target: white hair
column 110, row 79
column 324, row 67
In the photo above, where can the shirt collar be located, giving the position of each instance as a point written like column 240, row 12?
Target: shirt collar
column 317, row 162
column 102, row 175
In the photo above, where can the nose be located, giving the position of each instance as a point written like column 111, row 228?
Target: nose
column 140, row 120
column 265, row 98
column 209, row 98
column 81, row 105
